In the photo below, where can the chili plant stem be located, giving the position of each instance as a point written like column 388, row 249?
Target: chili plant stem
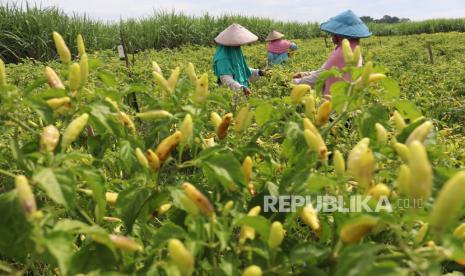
column 21, row 124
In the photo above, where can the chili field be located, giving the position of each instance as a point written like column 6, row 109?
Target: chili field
column 90, row 186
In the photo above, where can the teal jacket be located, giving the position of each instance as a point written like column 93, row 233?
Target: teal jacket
column 229, row 60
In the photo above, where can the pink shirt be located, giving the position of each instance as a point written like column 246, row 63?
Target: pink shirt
column 337, row 59
column 279, row 46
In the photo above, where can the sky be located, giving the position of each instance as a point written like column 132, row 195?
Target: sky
column 285, row 10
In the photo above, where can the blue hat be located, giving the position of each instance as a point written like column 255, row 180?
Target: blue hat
column 346, row 24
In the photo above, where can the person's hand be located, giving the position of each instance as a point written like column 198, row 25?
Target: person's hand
column 297, row 76
column 247, row 91
column 264, row 73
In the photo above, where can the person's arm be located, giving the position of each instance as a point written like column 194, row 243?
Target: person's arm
column 300, row 75
column 256, row 74
column 309, row 78
column 293, row 46
column 308, row 73
column 229, row 81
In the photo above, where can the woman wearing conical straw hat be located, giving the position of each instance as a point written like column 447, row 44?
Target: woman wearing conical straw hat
column 345, row 25
column 229, row 64
column 278, row 48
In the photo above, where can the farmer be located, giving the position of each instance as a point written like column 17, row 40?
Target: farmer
column 345, row 25
column 278, row 48
column 229, row 64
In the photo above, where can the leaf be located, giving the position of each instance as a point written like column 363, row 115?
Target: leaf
column 41, row 108
column 107, row 78
column 73, row 156
column 230, row 265
column 320, row 82
column 339, row 95
column 308, row 252
column 67, row 182
column 100, row 115
column 15, row 231
column 356, row 260
column 94, row 63
column 53, row 93
column 126, row 156
column 91, row 257
column 392, row 89
column 223, row 234
column 98, row 144
column 131, row 202
column 69, row 225
column 34, row 85
column 48, row 182
column 94, row 232
column 294, row 180
column 259, row 223
column 402, row 137
column 368, row 119
column 263, row 113
column 294, row 142
column 408, row 109
column 209, row 152
column 165, row 232
column 60, row 245
column 224, row 168
column 388, row 268
column 96, row 183
column 317, row 182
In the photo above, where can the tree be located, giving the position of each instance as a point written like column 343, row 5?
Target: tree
column 385, row 19
column 367, row 19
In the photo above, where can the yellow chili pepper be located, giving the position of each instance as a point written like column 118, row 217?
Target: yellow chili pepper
column 190, row 69
column 202, row 202
column 141, row 158
column 421, row 178
column 125, row 243
column 173, row 79
column 81, row 46
column 448, row 203
column 2, row 73
column 53, row 79
column 276, row 235
column 73, row 130
column 298, row 91
column 25, row 195
column 186, row 129
column 252, row 270
column 49, row 138
column 310, row 217
column 62, row 49
column 201, row 88
column 324, row 111
column 181, row 256
column 222, row 130
column 356, row 229
column 167, row 145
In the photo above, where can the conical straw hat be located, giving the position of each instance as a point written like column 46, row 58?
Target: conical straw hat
column 235, row 35
column 274, row 35
column 346, row 24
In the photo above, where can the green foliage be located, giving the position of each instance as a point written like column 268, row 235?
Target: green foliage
column 26, row 30
column 96, row 188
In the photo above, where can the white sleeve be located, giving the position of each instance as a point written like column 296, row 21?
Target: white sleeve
column 309, row 77
column 255, row 74
column 306, row 73
column 229, row 81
